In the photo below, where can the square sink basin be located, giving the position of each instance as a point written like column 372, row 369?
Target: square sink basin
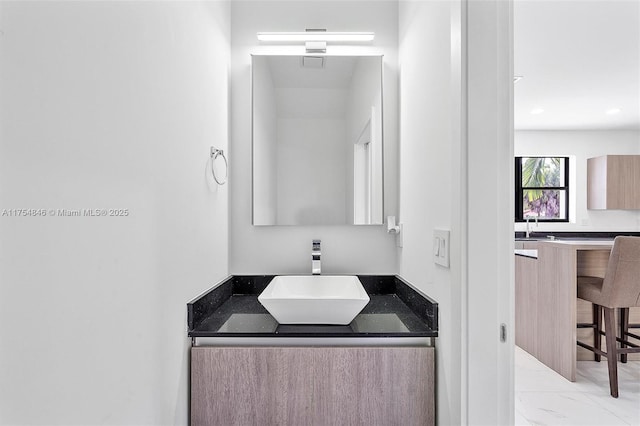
column 314, row 299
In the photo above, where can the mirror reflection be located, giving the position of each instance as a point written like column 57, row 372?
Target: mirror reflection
column 317, row 140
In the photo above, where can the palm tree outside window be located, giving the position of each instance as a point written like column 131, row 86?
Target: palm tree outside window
column 542, row 189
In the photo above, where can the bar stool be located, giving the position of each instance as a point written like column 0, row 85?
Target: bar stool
column 620, row 288
column 624, row 330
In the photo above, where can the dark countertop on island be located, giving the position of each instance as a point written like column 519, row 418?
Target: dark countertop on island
column 572, row 235
column 533, row 254
column 232, row 309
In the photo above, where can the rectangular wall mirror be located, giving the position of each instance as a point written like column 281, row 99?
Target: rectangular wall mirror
column 317, row 140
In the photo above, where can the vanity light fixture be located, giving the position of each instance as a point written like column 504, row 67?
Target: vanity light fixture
column 316, row 35
column 537, row 111
column 613, row 111
column 316, row 39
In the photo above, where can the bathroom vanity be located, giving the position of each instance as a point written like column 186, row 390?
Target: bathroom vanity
column 246, row 368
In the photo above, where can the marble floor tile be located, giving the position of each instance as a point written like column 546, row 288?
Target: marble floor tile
column 543, row 397
column 564, row 408
column 520, row 420
column 532, row 375
column 626, row 406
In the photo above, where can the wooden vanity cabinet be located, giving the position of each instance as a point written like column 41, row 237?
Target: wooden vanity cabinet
column 613, row 182
column 312, row 386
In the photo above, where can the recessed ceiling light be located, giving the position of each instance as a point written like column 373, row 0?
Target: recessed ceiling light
column 517, row 78
column 613, row 111
column 537, row 111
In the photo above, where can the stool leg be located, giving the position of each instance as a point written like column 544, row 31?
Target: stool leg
column 624, row 329
column 612, row 353
column 597, row 322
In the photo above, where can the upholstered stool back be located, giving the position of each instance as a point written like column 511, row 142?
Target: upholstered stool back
column 621, row 286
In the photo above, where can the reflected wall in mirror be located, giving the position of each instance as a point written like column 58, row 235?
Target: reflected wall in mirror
column 317, row 140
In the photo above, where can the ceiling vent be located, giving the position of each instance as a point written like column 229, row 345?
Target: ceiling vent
column 313, row 62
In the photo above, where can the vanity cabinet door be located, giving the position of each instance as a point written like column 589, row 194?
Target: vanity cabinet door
column 312, row 386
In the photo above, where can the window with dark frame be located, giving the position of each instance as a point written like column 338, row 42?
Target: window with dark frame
column 542, row 189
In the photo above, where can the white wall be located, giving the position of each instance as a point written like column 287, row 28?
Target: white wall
column 582, row 145
column 311, row 171
column 427, row 190
column 487, row 126
column 267, row 250
column 107, row 105
column 265, row 131
column 455, row 173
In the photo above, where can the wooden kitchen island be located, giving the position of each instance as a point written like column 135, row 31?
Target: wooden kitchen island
column 546, row 302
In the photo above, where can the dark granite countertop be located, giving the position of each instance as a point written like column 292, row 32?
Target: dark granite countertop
column 533, row 254
column 232, row 309
column 565, row 235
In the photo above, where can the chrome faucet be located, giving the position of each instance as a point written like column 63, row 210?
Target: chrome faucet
column 315, row 257
column 529, row 217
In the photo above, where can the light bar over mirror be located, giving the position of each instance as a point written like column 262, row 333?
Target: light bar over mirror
column 316, row 35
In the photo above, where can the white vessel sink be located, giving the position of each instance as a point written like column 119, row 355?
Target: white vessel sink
column 314, row 299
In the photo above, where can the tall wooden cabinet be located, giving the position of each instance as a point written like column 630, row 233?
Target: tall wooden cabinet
column 613, row 182
column 312, row 386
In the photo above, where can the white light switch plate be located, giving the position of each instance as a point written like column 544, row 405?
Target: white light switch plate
column 441, row 247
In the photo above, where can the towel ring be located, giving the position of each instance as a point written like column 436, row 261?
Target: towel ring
column 215, row 153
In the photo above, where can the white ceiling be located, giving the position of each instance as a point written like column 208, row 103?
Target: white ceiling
column 579, row 59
